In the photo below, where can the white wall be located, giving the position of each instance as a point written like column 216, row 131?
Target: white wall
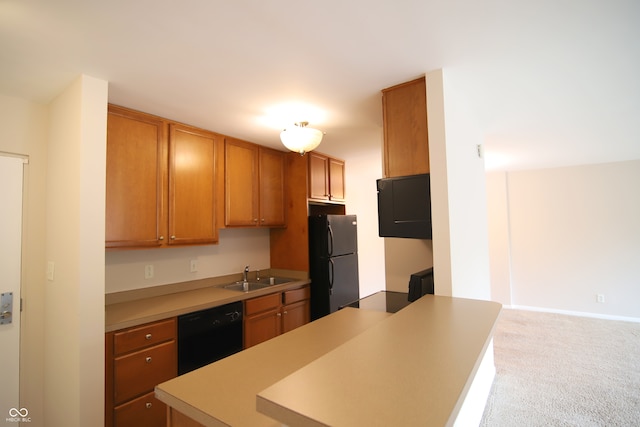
column 23, row 131
column 458, row 193
column 404, row 257
column 574, row 233
column 363, row 157
column 236, row 248
column 75, row 209
column 499, row 240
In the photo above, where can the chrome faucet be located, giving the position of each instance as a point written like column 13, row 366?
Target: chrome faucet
column 245, row 273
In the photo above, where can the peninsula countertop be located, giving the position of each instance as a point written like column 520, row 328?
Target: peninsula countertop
column 224, row 392
column 412, row 369
column 354, row 367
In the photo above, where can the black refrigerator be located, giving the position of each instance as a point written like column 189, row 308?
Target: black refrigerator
column 333, row 262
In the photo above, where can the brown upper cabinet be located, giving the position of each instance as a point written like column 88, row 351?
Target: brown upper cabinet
column 406, row 140
column 160, row 183
column 254, row 185
column 192, row 185
column 326, row 178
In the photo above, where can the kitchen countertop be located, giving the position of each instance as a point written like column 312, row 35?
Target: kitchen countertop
column 414, row 368
column 224, row 392
column 149, row 305
column 354, row 367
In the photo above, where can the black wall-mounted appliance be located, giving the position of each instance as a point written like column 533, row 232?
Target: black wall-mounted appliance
column 404, row 207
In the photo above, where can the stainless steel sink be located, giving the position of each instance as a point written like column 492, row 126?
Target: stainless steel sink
column 247, row 286
column 255, row 285
column 280, row 280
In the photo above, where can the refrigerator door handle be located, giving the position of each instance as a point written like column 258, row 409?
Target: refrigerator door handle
column 330, row 242
column 331, row 267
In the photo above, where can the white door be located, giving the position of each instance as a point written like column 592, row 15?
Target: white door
column 10, row 268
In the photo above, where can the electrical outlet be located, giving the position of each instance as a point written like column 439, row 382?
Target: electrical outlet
column 600, row 299
column 194, row 265
column 148, row 271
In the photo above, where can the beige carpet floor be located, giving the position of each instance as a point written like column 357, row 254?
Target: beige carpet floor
column 561, row 370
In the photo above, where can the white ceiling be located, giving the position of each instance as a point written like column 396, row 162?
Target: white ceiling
column 548, row 82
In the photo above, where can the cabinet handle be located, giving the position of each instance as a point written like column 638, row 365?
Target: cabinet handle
column 148, row 359
column 148, row 405
column 262, row 220
column 279, row 314
column 255, row 219
column 285, row 312
column 173, row 237
column 161, row 238
column 148, row 336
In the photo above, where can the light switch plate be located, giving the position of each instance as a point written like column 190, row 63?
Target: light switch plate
column 51, row 268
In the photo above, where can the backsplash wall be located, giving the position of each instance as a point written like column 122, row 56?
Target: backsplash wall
column 125, row 270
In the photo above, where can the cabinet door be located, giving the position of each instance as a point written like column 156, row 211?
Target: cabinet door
column 140, row 372
column 318, row 176
column 272, row 206
column 241, row 183
column 192, row 179
column 406, row 140
column 261, row 327
column 139, row 337
column 336, row 180
column 136, row 179
column 144, row 411
column 295, row 315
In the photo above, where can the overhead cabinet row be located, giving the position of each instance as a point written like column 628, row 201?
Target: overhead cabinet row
column 166, row 183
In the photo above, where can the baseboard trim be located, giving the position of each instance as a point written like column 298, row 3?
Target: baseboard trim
column 574, row 313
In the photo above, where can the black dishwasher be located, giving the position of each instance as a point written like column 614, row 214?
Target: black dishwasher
column 208, row 335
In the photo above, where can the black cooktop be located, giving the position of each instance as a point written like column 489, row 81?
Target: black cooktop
column 388, row 301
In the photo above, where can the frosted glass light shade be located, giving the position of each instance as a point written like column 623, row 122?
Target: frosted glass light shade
column 300, row 138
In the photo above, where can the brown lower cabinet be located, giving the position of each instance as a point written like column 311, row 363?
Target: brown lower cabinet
column 270, row 315
column 146, row 410
column 141, row 357
column 137, row 359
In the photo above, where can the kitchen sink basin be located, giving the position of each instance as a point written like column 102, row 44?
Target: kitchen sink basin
column 255, row 285
column 247, row 286
column 280, row 280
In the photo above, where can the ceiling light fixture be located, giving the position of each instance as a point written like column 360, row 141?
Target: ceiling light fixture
column 300, row 138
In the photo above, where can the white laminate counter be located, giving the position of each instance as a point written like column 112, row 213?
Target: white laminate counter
column 413, row 369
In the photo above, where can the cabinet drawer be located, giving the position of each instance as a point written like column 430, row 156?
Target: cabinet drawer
column 144, row 411
column 256, row 305
column 140, row 372
column 144, row 336
column 296, row 295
